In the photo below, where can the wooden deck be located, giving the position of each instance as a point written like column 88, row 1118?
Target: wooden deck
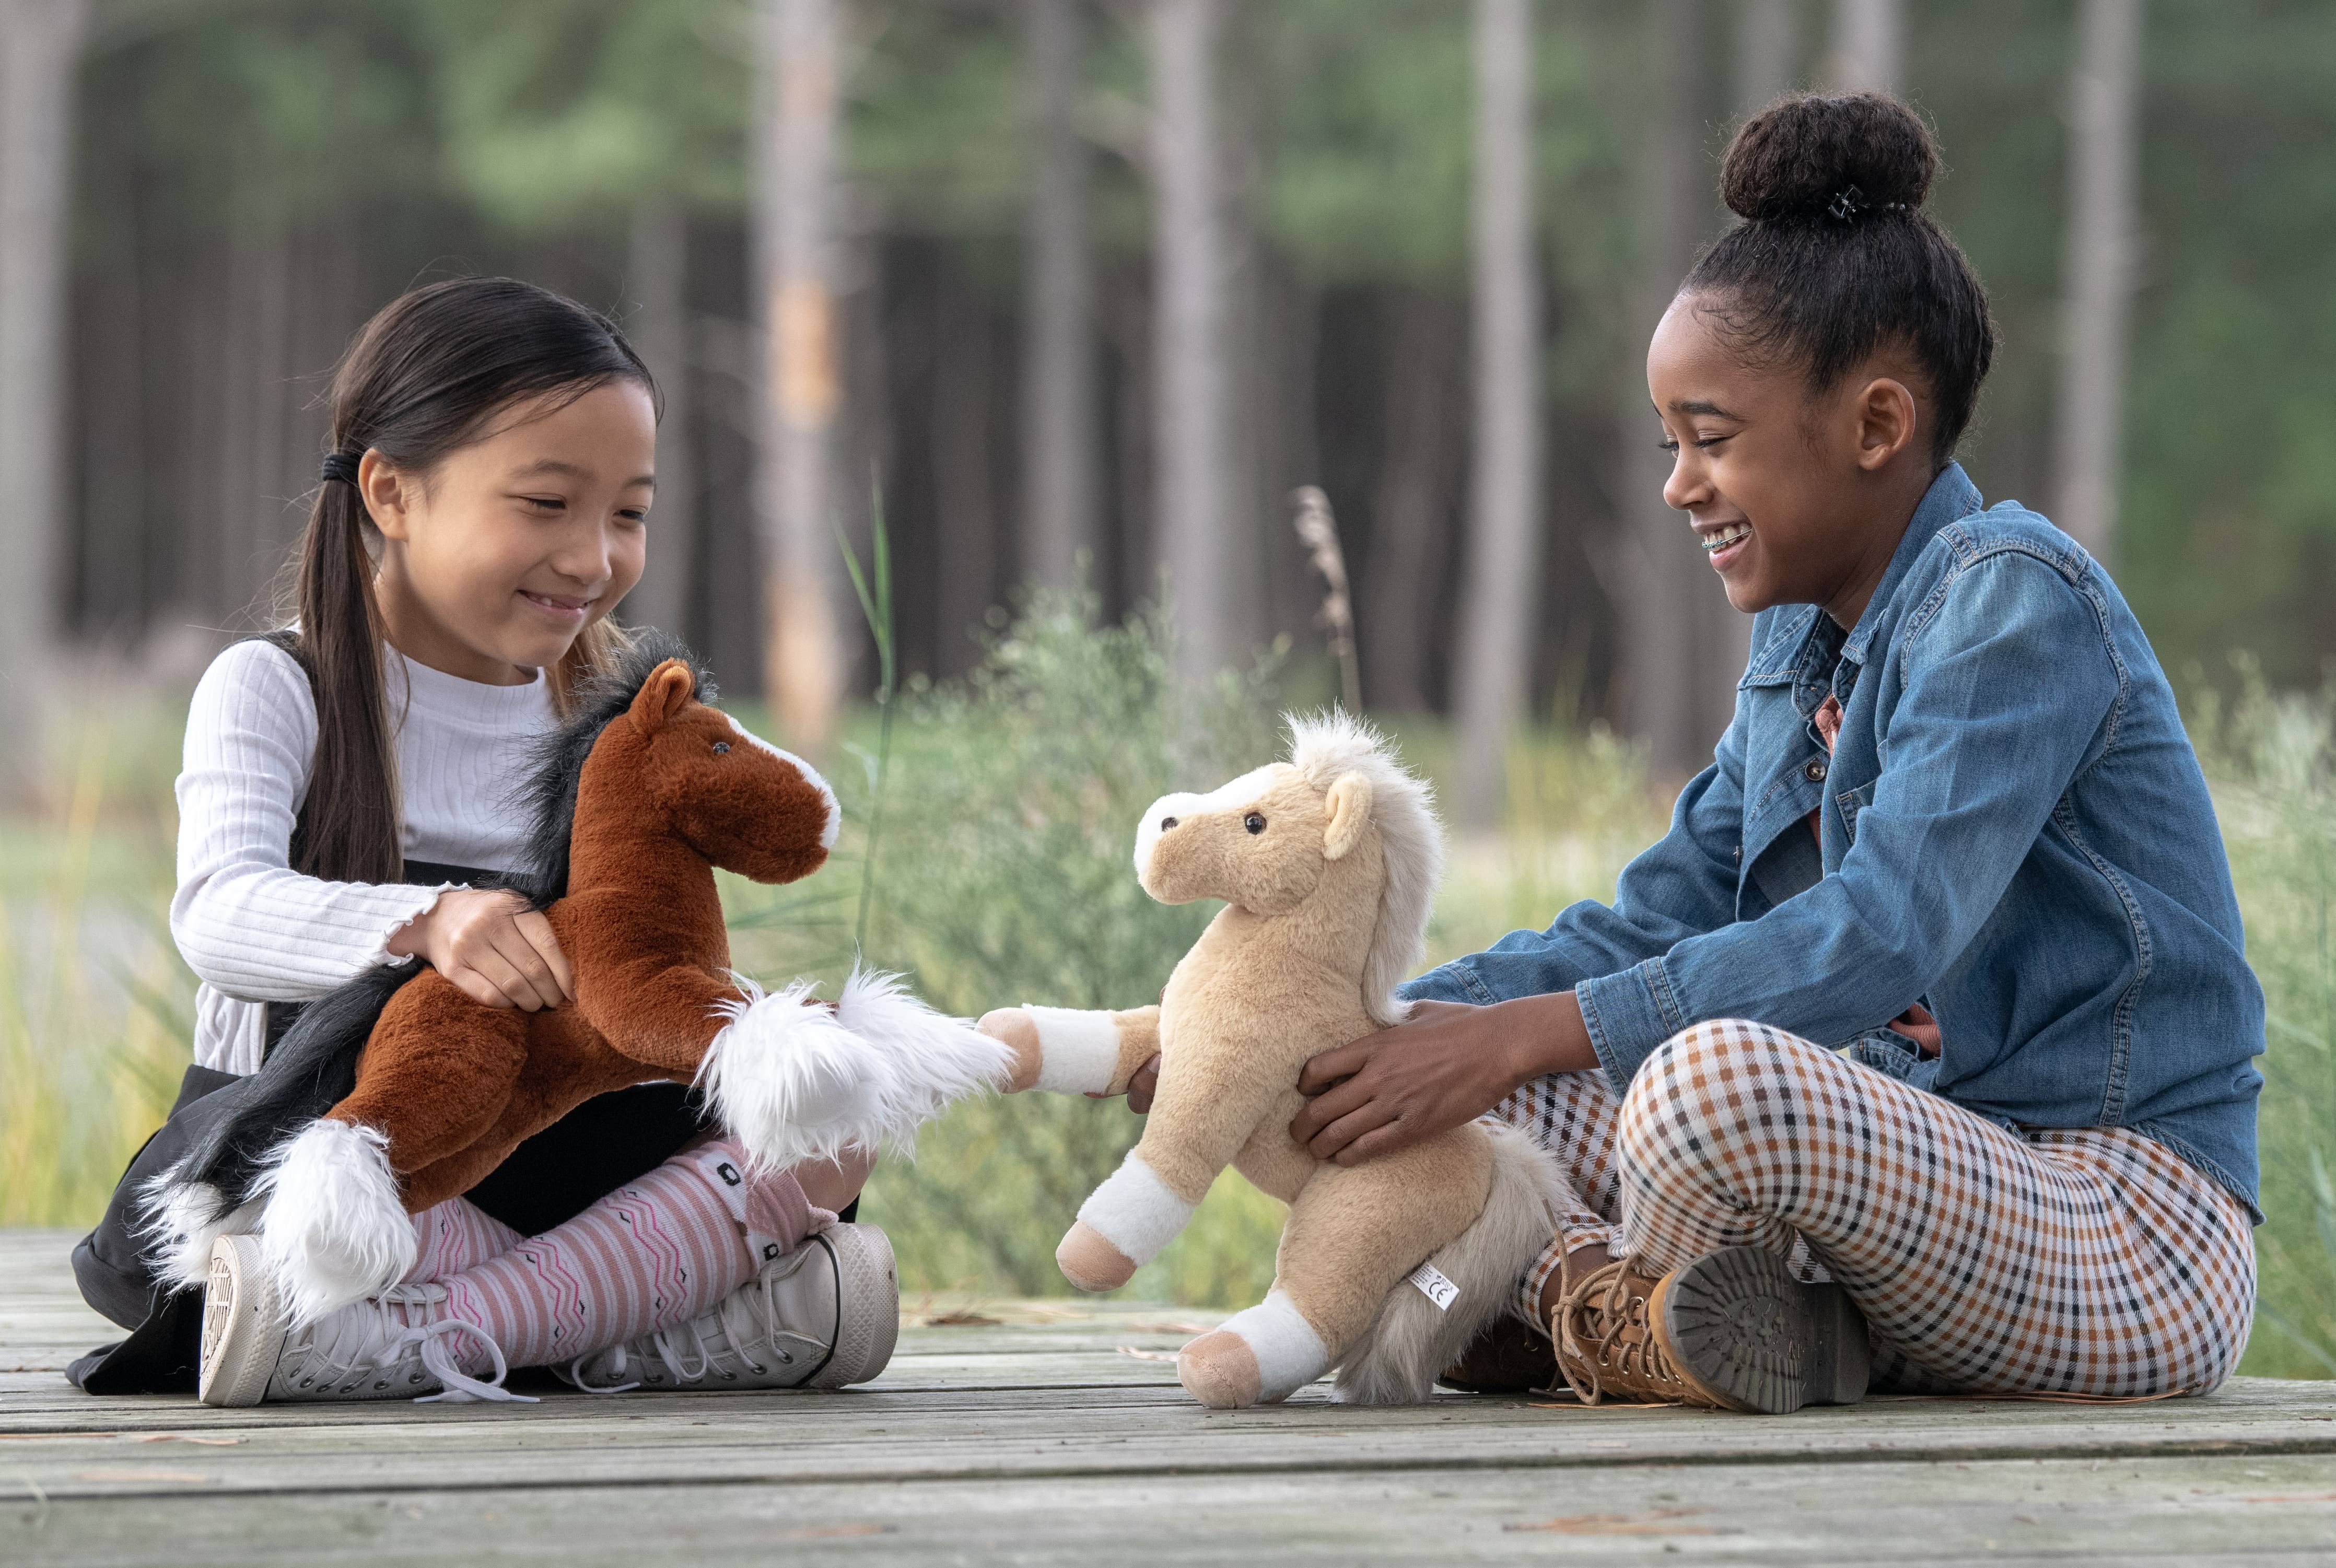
column 1058, row 1435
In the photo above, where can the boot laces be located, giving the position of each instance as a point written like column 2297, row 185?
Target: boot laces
column 1603, row 1333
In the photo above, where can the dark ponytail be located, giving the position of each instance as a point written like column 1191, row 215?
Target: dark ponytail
column 1836, row 256
column 426, row 376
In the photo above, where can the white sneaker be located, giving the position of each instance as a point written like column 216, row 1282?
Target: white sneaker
column 388, row 1347
column 823, row 1316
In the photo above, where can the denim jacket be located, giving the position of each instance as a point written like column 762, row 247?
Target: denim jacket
column 2013, row 830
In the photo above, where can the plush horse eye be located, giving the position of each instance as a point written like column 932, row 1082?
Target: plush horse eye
column 1254, row 822
column 720, row 746
column 1167, row 823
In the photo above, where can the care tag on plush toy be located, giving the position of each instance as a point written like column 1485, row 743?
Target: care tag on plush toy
column 1435, row 1286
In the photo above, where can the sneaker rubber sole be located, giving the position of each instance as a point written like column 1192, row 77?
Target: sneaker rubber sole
column 1739, row 1325
column 867, row 1306
column 243, row 1325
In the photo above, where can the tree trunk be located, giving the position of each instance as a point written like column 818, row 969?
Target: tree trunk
column 1192, row 514
column 660, row 329
column 1410, row 518
column 1058, row 364
column 964, row 489
column 40, row 53
column 1682, row 644
column 1767, row 52
column 1504, row 522
column 804, row 659
column 1869, row 46
column 2098, row 271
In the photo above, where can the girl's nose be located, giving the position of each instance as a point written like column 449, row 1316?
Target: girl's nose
column 584, row 557
column 1686, row 485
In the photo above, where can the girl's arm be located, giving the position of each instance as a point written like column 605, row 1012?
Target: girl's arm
column 2010, row 689
column 243, row 920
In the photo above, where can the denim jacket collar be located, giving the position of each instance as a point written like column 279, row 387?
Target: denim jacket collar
column 1808, row 643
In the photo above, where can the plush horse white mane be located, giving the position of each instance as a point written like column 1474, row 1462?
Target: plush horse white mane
column 1323, row 746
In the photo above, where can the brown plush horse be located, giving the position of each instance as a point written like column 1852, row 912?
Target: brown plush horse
column 637, row 798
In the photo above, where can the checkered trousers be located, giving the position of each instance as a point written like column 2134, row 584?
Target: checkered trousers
column 2086, row 1261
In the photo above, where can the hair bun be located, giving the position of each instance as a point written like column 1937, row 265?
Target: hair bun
column 1798, row 157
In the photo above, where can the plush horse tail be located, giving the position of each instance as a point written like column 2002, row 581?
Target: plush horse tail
column 216, row 1189
column 1414, row 1338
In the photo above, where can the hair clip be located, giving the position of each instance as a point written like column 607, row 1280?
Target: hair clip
column 1847, row 203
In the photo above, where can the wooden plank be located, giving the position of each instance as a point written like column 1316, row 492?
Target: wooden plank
column 751, row 1440
column 1034, row 1436
column 2182, row 1510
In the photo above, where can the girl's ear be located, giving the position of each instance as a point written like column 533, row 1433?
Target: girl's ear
column 1886, row 420
column 1350, row 813
column 384, row 495
column 663, row 696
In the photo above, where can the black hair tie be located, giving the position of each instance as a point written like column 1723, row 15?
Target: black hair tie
column 340, row 465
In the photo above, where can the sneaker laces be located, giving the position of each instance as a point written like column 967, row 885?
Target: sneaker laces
column 427, row 1340
column 666, row 1344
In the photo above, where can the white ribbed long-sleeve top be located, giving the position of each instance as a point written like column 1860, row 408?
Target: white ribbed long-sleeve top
column 256, row 931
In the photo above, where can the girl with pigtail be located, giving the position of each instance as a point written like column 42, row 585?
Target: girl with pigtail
column 347, row 804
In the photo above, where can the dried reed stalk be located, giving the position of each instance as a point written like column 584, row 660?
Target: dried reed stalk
column 1318, row 531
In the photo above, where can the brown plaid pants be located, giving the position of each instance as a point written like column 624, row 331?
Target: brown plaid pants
column 2084, row 1262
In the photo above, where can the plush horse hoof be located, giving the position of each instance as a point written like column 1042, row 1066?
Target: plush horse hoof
column 1090, row 1261
column 1220, row 1370
column 1020, row 1032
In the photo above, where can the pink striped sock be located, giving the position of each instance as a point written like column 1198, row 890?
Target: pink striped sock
column 454, row 1236
column 652, row 1254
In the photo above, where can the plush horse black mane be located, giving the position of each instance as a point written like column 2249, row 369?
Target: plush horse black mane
column 550, row 793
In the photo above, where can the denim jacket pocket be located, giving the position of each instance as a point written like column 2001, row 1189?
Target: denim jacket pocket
column 1852, row 801
column 1893, row 1056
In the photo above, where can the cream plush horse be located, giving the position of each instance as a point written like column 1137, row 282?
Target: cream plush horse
column 1328, row 864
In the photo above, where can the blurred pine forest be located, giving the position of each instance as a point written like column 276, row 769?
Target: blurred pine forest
column 253, row 177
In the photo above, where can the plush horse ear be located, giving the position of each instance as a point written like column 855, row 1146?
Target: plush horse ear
column 662, row 695
column 1350, row 813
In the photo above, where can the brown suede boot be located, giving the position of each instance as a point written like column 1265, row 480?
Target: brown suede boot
column 1733, row 1330
column 1507, row 1358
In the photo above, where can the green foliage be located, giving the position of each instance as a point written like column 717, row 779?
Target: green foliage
column 568, row 111
column 2273, row 761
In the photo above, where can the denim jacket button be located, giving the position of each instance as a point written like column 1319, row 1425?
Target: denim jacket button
column 1815, row 770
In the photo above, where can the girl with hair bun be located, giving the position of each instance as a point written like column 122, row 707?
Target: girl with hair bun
column 1918, row 1055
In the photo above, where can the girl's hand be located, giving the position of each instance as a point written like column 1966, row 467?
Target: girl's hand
column 1144, row 1086
column 1449, row 1063
column 492, row 946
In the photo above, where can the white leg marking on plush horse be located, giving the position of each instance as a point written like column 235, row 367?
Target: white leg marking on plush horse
column 1135, row 1210
column 1078, row 1050
column 335, row 1228
column 1289, row 1354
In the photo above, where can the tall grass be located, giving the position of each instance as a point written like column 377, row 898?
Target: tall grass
column 2272, row 761
column 95, row 1008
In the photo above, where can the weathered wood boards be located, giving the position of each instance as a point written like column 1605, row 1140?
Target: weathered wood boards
column 1041, row 1439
